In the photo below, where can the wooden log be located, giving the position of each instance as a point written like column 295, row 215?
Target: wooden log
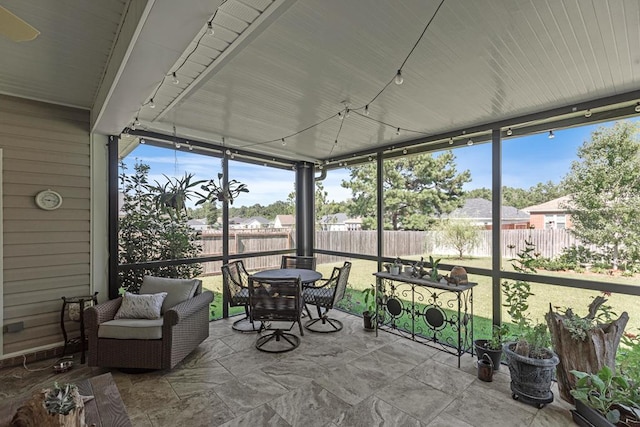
column 589, row 355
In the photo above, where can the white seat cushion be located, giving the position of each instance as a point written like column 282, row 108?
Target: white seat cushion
column 131, row 329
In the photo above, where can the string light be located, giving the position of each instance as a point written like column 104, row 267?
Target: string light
column 366, row 110
column 228, row 152
column 637, row 107
column 136, row 122
column 142, row 141
column 404, row 151
column 399, row 79
column 450, row 141
column 470, row 142
column 398, row 131
column 340, row 116
column 509, row 132
column 175, row 78
column 346, row 114
column 284, row 142
column 152, row 104
column 551, row 135
column 178, row 145
column 190, row 147
column 210, row 28
column 587, row 114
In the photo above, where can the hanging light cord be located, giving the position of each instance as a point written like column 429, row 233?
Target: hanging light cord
column 337, row 136
column 184, row 61
column 364, row 106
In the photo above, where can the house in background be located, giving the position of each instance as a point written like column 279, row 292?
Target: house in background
column 284, row 221
column 478, row 212
column 339, row 222
column 551, row 215
column 256, row 222
column 198, row 224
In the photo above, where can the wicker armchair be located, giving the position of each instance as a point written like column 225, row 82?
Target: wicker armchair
column 235, row 285
column 162, row 343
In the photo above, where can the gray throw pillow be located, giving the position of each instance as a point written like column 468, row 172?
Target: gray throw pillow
column 140, row 306
column 178, row 290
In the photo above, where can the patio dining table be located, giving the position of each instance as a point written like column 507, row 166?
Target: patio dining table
column 306, row 276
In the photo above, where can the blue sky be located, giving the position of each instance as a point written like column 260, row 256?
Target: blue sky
column 526, row 162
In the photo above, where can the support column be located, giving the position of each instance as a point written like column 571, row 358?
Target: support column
column 496, row 221
column 225, row 229
column 380, row 207
column 305, row 209
column 112, row 154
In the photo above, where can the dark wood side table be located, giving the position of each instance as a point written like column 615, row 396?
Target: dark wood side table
column 75, row 306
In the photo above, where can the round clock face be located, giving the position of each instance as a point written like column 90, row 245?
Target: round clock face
column 48, row 200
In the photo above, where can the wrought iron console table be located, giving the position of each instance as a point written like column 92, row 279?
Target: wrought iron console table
column 427, row 312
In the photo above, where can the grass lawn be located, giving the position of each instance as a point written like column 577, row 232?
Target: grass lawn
column 361, row 277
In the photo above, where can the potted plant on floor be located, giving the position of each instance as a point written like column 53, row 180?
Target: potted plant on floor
column 492, row 347
column 605, row 399
column 369, row 315
column 531, row 362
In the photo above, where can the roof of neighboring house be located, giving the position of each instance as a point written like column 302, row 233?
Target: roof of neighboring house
column 286, row 219
column 480, row 209
column 555, row 205
column 260, row 219
column 201, row 221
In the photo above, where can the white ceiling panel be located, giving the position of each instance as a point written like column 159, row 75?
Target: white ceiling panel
column 284, row 68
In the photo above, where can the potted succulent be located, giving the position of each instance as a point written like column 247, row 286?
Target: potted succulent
column 531, row 361
column 492, row 347
column 605, row 399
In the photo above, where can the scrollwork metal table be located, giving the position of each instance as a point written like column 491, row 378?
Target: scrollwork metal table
column 427, row 312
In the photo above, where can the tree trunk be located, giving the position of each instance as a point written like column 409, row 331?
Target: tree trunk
column 590, row 355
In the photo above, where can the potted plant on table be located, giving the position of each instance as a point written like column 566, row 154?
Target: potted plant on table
column 531, row 362
column 605, row 399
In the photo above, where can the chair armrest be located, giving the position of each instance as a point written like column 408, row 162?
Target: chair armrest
column 101, row 313
column 187, row 308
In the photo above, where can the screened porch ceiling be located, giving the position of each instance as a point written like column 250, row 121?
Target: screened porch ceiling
column 274, row 68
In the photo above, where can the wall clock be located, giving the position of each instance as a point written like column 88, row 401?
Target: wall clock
column 48, row 200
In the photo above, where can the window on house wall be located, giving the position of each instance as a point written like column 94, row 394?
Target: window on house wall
column 555, row 222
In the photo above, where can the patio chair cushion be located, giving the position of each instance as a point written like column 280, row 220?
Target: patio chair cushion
column 241, row 297
column 140, row 306
column 178, row 290
column 131, row 329
column 322, row 296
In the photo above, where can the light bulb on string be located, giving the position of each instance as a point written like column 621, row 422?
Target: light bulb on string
column 178, row 145
column 509, row 132
column 470, row 142
column 404, row 151
column 336, row 142
column 398, row 79
column 142, row 141
column 551, row 134
column 450, row 141
column 190, row 147
column 346, row 113
column 228, row 152
column 340, row 116
column 284, row 142
column 136, row 122
column 587, row 114
column 366, row 110
column 152, row 104
column 210, row 28
column 637, row 107
column 175, row 78
column 398, row 131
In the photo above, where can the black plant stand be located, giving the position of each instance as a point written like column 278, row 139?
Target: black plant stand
column 82, row 303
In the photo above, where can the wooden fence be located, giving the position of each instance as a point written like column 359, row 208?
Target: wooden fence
column 548, row 243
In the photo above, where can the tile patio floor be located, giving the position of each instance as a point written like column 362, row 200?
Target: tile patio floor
column 349, row 378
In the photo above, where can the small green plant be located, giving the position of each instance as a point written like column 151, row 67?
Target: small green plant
column 533, row 339
column 60, row 400
column 628, row 356
column 606, row 392
column 498, row 336
column 434, row 268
